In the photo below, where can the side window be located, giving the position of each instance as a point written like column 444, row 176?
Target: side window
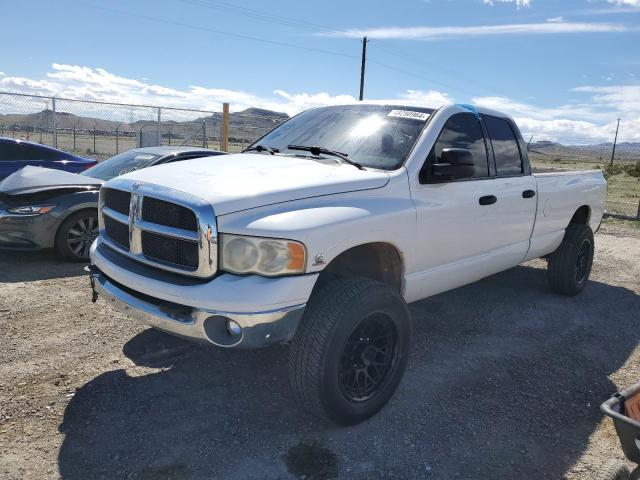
column 462, row 130
column 26, row 151
column 505, row 146
column 8, row 152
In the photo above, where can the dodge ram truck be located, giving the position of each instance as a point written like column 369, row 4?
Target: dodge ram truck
column 321, row 232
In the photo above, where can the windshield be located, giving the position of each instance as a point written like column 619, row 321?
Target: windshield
column 121, row 164
column 376, row 136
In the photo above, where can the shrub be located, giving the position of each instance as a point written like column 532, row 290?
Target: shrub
column 632, row 169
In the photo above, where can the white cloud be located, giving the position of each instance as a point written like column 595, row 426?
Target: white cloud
column 443, row 33
column 633, row 3
column 428, row 99
column 555, row 19
column 86, row 83
column 624, row 98
column 593, row 119
column 519, row 3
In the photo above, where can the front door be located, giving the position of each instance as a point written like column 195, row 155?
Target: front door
column 467, row 228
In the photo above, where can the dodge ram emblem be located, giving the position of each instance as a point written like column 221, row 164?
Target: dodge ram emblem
column 136, row 186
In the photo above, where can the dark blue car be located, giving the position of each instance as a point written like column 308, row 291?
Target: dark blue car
column 16, row 154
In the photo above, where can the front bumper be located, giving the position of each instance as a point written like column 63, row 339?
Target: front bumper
column 258, row 329
column 26, row 232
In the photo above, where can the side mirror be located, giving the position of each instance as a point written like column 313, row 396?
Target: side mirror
column 455, row 163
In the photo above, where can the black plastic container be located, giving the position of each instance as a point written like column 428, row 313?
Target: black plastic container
column 628, row 429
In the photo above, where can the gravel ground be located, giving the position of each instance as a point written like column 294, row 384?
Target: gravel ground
column 504, row 381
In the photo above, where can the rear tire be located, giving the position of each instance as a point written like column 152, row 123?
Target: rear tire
column 350, row 351
column 76, row 234
column 570, row 265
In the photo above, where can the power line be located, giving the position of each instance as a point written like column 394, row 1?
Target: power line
column 257, row 14
column 220, row 32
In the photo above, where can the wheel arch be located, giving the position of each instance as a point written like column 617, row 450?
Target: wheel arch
column 381, row 261
column 582, row 216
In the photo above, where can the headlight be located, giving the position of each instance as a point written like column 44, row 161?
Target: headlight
column 31, row 210
column 265, row 256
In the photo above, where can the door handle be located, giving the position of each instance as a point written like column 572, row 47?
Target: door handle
column 528, row 194
column 488, row 200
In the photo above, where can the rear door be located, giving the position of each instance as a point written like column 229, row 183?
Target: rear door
column 515, row 187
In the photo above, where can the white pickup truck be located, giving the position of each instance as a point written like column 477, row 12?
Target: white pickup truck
column 321, row 232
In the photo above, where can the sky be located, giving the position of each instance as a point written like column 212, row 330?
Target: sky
column 564, row 69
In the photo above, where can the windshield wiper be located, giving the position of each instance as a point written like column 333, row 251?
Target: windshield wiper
column 318, row 150
column 262, row 148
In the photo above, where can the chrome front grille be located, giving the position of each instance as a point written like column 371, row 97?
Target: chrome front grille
column 118, row 232
column 171, row 250
column 117, row 200
column 169, row 214
column 162, row 227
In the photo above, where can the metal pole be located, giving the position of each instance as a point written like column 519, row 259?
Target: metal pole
column 53, row 122
column 94, row 138
column 638, row 214
column 117, row 146
column 224, row 128
column 204, row 134
column 158, row 130
column 364, row 61
column 170, row 128
column 615, row 140
column 74, row 138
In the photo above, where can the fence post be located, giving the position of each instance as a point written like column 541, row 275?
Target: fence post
column 74, row 137
column 638, row 214
column 94, row 138
column 224, row 128
column 117, row 138
column 204, row 134
column 53, row 122
column 159, row 120
column 615, row 140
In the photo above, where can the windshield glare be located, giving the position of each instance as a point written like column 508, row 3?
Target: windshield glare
column 120, row 164
column 374, row 136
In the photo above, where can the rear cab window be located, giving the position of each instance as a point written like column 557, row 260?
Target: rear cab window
column 505, row 146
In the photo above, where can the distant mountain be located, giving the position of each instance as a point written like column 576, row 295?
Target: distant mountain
column 601, row 152
column 244, row 126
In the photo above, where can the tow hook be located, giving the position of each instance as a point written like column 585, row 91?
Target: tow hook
column 90, row 269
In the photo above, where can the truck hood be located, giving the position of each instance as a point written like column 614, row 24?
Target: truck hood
column 242, row 181
column 37, row 179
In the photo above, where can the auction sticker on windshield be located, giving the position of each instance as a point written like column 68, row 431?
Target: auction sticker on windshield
column 420, row 116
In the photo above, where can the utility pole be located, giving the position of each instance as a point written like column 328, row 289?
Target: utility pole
column 615, row 140
column 364, row 61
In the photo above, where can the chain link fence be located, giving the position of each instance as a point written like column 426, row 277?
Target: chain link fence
column 100, row 130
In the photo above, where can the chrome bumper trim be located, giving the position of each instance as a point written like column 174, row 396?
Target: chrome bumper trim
column 259, row 329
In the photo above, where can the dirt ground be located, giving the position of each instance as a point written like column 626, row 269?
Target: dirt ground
column 505, row 381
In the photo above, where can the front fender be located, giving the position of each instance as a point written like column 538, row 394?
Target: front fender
column 330, row 225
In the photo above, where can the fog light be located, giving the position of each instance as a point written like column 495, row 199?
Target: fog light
column 233, row 328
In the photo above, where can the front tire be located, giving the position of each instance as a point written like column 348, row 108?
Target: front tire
column 570, row 265
column 350, row 350
column 76, row 234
